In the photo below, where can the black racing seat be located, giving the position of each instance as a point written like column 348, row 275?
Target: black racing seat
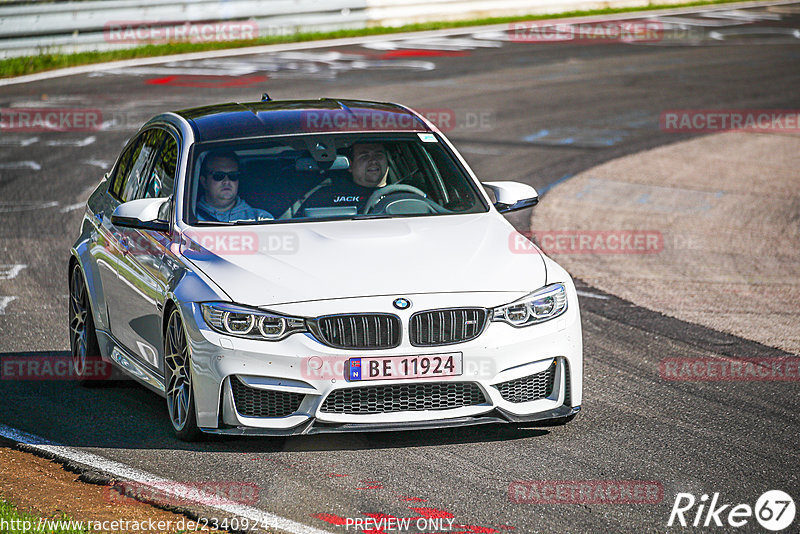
column 275, row 184
column 265, row 184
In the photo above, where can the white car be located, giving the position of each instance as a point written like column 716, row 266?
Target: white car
column 294, row 267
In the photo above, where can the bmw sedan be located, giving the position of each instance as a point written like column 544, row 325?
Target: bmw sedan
column 295, row 267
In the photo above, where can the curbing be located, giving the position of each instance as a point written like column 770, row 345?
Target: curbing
column 98, row 470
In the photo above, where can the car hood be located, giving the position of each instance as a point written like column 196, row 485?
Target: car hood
column 276, row 264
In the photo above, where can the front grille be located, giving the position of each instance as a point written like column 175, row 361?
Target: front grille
column 446, row 327
column 529, row 388
column 252, row 402
column 362, row 331
column 403, row 398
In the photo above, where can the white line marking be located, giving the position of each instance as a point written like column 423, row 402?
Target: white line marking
column 72, row 142
column 9, row 272
column 52, row 101
column 26, row 205
column 120, row 470
column 72, row 207
column 737, row 14
column 99, row 67
column 21, row 165
column 5, row 301
column 591, row 295
column 16, row 141
column 433, row 43
column 98, row 163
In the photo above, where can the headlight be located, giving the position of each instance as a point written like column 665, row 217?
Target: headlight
column 250, row 323
column 538, row 307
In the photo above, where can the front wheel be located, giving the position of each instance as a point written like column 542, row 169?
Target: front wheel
column 180, row 394
column 88, row 366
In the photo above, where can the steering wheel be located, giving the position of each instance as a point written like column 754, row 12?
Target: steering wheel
column 378, row 194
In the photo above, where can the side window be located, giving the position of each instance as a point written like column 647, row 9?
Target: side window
column 162, row 177
column 137, row 168
column 118, row 178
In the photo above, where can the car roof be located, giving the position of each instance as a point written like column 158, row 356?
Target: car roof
column 280, row 117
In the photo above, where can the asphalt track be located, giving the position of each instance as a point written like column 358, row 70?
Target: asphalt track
column 531, row 112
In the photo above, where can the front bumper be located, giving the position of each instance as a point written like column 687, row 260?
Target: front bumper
column 316, row 427
column 303, row 368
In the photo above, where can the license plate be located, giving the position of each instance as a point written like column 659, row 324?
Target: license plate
column 397, row 367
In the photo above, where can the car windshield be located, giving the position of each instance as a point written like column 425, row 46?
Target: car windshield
column 315, row 177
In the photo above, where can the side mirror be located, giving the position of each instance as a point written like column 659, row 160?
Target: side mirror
column 512, row 196
column 142, row 214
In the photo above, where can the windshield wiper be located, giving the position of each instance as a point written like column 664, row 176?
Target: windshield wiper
column 248, row 222
column 302, row 219
column 233, row 223
column 370, row 216
column 213, row 223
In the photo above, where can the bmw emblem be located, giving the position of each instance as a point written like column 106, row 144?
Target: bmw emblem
column 402, row 304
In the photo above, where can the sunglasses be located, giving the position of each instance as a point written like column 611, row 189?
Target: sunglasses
column 218, row 176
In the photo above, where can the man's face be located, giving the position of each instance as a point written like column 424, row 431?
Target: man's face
column 220, row 194
column 369, row 165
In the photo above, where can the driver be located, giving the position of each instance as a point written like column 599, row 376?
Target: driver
column 369, row 167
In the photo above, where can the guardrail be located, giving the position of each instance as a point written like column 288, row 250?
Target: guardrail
column 80, row 26
column 32, row 28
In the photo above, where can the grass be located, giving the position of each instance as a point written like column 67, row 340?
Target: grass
column 11, row 517
column 49, row 60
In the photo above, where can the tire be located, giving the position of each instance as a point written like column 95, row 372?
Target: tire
column 178, row 385
column 88, row 366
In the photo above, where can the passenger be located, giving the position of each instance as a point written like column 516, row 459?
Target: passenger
column 219, row 200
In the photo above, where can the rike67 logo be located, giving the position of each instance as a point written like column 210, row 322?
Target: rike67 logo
column 774, row 511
